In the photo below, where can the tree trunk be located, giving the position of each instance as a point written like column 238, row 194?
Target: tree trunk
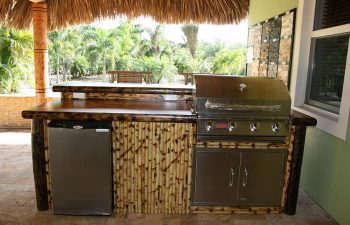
column 58, row 71
column 104, row 69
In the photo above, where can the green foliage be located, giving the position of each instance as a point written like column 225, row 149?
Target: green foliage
column 16, row 58
column 80, row 66
column 230, row 61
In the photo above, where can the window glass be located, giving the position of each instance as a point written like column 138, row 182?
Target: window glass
column 326, row 74
column 330, row 13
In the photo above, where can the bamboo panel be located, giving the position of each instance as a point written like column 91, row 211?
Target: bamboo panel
column 242, row 145
column 151, row 166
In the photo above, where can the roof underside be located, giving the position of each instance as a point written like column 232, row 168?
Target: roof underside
column 62, row 13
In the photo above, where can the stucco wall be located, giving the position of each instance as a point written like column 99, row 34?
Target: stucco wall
column 260, row 10
column 325, row 172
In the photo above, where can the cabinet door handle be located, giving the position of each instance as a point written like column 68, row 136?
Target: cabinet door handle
column 245, row 178
column 232, row 174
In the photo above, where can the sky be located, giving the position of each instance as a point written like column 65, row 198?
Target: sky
column 228, row 34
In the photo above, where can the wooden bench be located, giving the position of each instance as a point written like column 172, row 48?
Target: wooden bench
column 129, row 76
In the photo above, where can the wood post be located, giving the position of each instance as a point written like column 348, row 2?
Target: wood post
column 297, row 158
column 39, row 165
column 39, row 12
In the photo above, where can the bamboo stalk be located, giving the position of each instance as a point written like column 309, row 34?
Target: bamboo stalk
column 146, row 168
column 143, row 168
column 132, row 162
column 137, row 167
column 173, row 169
column 167, row 169
column 162, row 167
column 189, row 169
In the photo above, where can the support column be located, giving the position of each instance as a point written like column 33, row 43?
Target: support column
column 39, row 165
column 39, row 13
column 295, row 170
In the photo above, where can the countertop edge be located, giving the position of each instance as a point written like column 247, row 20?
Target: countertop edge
column 27, row 114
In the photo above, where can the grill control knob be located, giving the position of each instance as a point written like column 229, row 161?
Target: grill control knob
column 209, row 125
column 275, row 127
column 232, row 126
column 254, row 126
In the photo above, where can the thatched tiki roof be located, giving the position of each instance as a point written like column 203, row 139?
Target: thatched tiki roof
column 62, row 13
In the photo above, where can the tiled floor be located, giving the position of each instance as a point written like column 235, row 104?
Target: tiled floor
column 17, row 199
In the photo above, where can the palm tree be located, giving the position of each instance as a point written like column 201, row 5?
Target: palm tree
column 101, row 46
column 156, row 45
column 191, row 32
column 16, row 57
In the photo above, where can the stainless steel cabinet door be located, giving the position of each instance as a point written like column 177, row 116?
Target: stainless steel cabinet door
column 215, row 177
column 80, row 171
column 261, row 177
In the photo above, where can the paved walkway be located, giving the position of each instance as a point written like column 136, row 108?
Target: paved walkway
column 17, row 199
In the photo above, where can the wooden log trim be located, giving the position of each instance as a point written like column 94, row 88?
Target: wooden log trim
column 112, row 88
column 296, row 118
column 291, row 138
column 66, row 96
column 241, row 145
column 39, row 165
column 47, row 165
column 235, row 210
column 137, row 97
column 297, row 158
column 108, row 117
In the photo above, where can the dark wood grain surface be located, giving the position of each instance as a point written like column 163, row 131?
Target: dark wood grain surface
column 297, row 118
column 123, row 88
column 112, row 110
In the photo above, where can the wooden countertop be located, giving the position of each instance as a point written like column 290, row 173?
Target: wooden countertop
column 123, row 88
column 297, row 118
column 112, row 110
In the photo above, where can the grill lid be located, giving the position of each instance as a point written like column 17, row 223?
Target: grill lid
column 219, row 94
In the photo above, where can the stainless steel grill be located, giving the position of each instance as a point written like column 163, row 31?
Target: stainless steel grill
column 241, row 108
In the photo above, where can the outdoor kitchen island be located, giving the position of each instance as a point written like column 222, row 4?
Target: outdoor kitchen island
column 153, row 136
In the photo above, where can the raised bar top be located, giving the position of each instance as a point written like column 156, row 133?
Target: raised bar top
column 112, row 110
column 123, row 88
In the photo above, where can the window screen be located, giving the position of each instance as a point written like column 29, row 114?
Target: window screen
column 326, row 73
column 330, row 13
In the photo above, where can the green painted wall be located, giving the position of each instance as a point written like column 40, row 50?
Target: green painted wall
column 260, row 10
column 325, row 173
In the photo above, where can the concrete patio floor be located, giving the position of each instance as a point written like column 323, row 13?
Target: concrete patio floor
column 17, row 199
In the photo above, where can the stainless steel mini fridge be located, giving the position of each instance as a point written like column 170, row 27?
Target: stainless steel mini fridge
column 81, row 167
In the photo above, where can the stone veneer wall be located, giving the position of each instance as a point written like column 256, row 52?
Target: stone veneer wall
column 270, row 47
column 11, row 107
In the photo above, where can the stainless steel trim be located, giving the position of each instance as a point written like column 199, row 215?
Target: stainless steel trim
column 232, row 174
column 245, row 178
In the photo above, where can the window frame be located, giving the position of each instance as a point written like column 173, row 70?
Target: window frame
column 330, row 122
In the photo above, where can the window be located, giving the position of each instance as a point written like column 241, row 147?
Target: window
column 322, row 63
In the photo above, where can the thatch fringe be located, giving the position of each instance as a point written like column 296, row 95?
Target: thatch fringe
column 17, row 13
column 5, row 7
